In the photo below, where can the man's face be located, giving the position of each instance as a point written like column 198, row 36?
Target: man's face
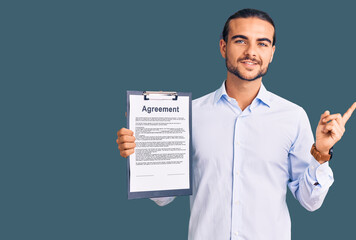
column 248, row 50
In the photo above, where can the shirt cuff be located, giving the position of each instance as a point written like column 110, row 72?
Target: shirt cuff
column 162, row 201
column 320, row 174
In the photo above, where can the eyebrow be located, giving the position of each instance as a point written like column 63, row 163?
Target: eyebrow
column 264, row 39
column 244, row 37
column 238, row 36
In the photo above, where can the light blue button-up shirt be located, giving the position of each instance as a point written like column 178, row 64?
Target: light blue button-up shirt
column 243, row 162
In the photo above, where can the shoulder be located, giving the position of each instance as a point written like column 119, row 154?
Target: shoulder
column 204, row 101
column 282, row 104
column 290, row 117
column 288, row 112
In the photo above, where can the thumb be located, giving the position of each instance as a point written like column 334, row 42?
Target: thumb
column 325, row 114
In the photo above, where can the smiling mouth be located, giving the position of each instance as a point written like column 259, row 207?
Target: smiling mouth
column 249, row 63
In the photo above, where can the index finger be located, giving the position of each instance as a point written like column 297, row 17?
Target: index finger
column 349, row 112
column 124, row 131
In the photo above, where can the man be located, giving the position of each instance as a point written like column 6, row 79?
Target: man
column 249, row 145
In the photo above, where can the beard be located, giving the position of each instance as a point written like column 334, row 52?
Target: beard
column 235, row 70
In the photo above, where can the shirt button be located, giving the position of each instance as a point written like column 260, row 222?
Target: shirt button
column 236, row 202
column 236, row 233
column 229, row 99
column 238, row 142
column 237, row 173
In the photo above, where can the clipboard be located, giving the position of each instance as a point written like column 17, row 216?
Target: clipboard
column 160, row 96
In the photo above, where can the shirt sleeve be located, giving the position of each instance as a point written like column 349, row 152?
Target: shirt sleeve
column 309, row 180
column 163, row 201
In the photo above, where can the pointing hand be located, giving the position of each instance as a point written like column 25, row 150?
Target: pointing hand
column 330, row 129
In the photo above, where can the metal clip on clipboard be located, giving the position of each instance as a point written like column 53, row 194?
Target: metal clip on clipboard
column 160, row 95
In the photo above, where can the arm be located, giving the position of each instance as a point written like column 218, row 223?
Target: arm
column 309, row 180
column 311, row 185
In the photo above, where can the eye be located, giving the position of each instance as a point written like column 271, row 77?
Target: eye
column 263, row 44
column 240, row 41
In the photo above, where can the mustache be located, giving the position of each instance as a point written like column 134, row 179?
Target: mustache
column 247, row 58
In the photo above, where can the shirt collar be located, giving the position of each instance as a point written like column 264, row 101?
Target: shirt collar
column 221, row 92
column 263, row 96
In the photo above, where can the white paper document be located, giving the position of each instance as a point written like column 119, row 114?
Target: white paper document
column 161, row 127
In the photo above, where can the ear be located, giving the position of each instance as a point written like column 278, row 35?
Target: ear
column 222, row 44
column 273, row 49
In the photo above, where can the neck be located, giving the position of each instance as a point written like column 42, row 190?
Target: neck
column 243, row 91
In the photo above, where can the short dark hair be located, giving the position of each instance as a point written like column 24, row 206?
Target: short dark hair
column 247, row 13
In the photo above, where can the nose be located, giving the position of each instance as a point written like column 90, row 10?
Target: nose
column 251, row 50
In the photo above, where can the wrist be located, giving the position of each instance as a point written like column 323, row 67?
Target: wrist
column 321, row 157
column 322, row 151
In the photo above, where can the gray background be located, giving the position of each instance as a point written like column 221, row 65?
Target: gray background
column 65, row 69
